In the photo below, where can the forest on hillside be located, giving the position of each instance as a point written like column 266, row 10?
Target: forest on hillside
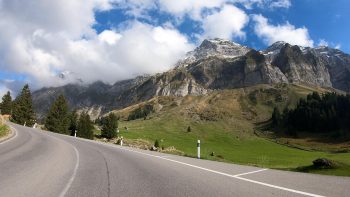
column 317, row 114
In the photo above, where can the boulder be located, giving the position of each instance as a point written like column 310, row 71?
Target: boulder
column 323, row 163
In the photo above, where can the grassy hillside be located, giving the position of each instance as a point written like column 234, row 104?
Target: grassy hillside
column 225, row 122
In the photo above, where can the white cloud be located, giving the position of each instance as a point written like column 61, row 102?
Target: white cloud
column 109, row 37
column 40, row 38
column 322, row 42
column 286, row 32
column 226, row 23
column 3, row 91
column 338, row 46
column 192, row 8
column 279, row 3
column 272, row 4
column 64, row 40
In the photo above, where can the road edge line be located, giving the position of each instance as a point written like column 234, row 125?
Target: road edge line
column 230, row 175
column 9, row 137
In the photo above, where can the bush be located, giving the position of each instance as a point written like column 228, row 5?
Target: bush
column 156, row 144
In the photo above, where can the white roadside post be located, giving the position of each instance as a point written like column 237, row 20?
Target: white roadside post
column 75, row 133
column 198, row 149
column 121, row 141
column 25, row 124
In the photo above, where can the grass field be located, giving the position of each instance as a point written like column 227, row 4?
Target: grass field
column 4, row 130
column 224, row 121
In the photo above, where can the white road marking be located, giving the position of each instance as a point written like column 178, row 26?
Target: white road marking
column 69, row 184
column 237, row 176
column 167, row 156
column 11, row 138
column 278, row 187
column 252, row 172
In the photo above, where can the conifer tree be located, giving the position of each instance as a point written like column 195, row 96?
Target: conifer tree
column 73, row 122
column 276, row 116
column 109, row 126
column 6, row 104
column 57, row 119
column 23, row 112
column 85, row 126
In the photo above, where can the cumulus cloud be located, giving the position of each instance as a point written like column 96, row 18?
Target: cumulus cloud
column 226, row 23
column 41, row 39
column 286, row 32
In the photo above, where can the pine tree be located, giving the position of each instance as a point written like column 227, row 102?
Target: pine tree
column 85, row 126
column 58, row 118
column 73, row 122
column 23, row 112
column 109, row 126
column 276, row 117
column 156, row 143
column 6, row 104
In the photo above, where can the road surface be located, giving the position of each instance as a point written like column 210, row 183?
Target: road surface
column 39, row 163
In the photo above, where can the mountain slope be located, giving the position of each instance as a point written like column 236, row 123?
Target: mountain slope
column 215, row 64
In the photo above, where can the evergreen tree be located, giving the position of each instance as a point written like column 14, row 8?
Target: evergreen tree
column 58, row 118
column 23, row 111
column 276, row 116
column 156, row 144
column 85, row 126
column 73, row 122
column 6, row 104
column 109, row 126
column 326, row 113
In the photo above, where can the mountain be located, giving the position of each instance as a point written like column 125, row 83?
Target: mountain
column 216, row 64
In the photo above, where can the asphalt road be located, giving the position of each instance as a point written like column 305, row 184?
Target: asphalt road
column 39, row 163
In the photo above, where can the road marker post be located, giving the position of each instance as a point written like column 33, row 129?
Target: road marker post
column 75, row 133
column 121, row 141
column 198, row 149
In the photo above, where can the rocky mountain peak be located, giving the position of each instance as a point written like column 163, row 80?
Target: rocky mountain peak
column 220, row 48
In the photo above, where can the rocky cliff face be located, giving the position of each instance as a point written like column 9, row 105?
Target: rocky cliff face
column 215, row 64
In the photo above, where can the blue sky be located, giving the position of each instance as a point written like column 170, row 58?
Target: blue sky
column 112, row 40
column 325, row 20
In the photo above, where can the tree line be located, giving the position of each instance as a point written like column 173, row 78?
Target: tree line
column 59, row 118
column 141, row 112
column 326, row 113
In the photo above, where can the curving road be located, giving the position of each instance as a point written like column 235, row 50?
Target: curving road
column 38, row 163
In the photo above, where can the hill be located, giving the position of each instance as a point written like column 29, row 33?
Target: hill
column 227, row 122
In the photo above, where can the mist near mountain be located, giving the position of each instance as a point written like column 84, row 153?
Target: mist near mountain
column 215, row 64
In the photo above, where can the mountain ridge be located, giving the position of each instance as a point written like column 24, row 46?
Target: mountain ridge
column 215, row 64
